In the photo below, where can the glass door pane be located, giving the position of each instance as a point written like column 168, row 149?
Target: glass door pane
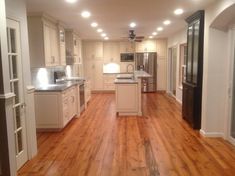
column 189, row 58
column 195, row 51
column 16, row 84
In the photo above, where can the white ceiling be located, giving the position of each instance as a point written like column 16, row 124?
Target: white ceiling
column 114, row 16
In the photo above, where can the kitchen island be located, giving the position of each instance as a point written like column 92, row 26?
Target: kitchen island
column 128, row 93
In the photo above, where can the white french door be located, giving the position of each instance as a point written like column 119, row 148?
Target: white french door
column 16, row 84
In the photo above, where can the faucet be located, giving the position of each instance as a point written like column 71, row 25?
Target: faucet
column 127, row 67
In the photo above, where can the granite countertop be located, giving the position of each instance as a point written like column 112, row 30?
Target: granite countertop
column 126, row 78
column 142, row 74
column 59, row 86
column 125, row 81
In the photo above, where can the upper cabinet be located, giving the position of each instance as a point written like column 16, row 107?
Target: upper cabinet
column 146, row 46
column 111, row 52
column 127, row 47
column 61, row 32
column 43, row 41
column 93, row 50
column 73, row 48
column 162, row 48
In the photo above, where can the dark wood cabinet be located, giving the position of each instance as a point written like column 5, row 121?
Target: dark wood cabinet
column 192, row 86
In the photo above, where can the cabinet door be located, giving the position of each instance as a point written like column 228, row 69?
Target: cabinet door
column 93, row 50
column 80, row 51
column 62, row 46
column 111, row 52
column 98, row 75
column 65, row 110
column 54, row 46
column 72, row 102
column 123, row 103
column 98, row 48
column 195, row 51
column 47, row 45
column 146, row 46
column 190, row 54
column 127, row 47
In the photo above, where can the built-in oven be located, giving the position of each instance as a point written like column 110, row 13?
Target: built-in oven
column 82, row 96
column 127, row 57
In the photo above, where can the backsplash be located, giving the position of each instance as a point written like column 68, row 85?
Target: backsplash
column 44, row 76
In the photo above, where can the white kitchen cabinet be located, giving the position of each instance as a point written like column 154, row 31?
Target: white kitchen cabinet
column 127, row 47
column 73, row 47
column 43, row 41
column 161, row 48
column 94, row 72
column 146, row 46
column 62, row 48
column 127, row 99
column 54, row 110
column 87, row 91
column 92, row 50
column 108, row 80
column 111, row 52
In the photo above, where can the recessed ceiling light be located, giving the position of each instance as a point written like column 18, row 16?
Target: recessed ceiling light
column 71, row 1
column 178, row 11
column 160, row 28
column 167, row 22
column 99, row 30
column 154, row 33
column 150, row 37
column 103, row 35
column 94, row 24
column 85, row 14
column 132, row 25
column 106, row 38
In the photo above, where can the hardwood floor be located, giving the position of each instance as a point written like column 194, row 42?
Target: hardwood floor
column 159, row 143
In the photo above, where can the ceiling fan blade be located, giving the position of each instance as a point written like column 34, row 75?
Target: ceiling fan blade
column 139, row 37
column 138, row 40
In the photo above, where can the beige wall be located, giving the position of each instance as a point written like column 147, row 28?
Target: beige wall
column 215, row 73
column 175, row 41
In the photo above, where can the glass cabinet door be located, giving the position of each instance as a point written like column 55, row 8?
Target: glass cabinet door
column 189, row 59
column 195, row 51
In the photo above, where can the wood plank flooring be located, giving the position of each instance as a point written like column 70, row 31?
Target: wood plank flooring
column 159, row 143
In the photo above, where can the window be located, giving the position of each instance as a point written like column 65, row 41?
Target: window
column 182, row 61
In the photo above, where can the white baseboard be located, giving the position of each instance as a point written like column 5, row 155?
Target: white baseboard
column 178, row 100
column 211, row 134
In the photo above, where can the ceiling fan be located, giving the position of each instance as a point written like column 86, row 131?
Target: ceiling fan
column 133, row 38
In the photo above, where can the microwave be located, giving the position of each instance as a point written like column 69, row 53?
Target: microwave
column 127, row 57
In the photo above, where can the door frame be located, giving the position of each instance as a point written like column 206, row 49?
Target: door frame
column 231, row 82
column 30, row 121
column 24, row 153
column 169, row 72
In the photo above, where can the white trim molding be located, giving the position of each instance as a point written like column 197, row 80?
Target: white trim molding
column 7, row 95
column 30, row 89
column 211, row 134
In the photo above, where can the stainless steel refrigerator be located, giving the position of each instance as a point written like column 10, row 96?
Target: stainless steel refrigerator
column 148, row 63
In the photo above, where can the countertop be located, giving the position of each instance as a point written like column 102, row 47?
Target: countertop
column 137, row 74
column 125, row 81
column 142, row 74
column 59, row 86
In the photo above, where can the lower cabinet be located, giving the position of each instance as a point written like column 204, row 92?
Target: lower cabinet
column 87, row 91
column 191, row 110
column 108, row 82
column 127, row 99
column 55, row 109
